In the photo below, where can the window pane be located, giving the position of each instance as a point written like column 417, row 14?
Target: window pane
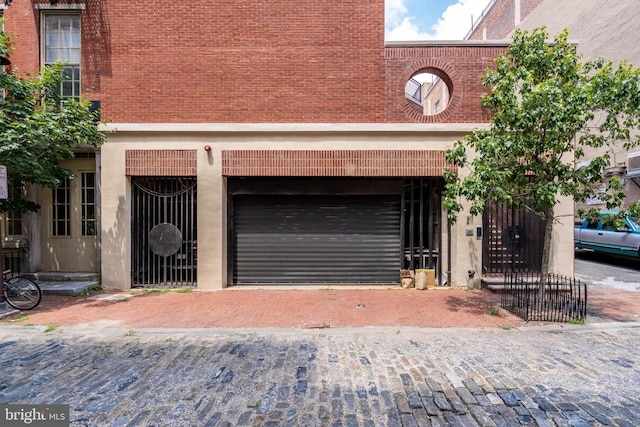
column 62, row 38
column 60, row 210
column 88, row 204
column 67, row 73
column 67, row 89
column 62, row 43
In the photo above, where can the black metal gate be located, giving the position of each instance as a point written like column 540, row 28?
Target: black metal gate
column 163, row 218
column 421, row 225
column 512, row 240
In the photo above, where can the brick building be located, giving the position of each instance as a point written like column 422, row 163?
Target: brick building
column 251, row 143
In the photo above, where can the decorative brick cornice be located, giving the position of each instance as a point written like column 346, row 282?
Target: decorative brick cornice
column 161, row 163
column 360, row 163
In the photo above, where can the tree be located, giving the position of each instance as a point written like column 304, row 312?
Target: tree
column 38, row 129
column 547, row 108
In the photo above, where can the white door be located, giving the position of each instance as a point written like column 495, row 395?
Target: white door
column 69, row 221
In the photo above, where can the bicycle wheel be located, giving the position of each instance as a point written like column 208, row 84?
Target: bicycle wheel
column 22, row 293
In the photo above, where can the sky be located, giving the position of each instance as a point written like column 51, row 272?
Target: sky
column 414, row 20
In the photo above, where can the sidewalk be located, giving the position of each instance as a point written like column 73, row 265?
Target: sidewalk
column 306, row 309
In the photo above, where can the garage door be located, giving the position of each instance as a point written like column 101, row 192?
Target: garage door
column 316, row 239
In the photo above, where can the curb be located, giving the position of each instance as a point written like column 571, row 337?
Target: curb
column 552, row 328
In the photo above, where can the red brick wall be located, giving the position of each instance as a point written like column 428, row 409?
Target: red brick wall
column 499, row 20
column 460, row 66
column 244, row 61
column 280, row 61
column 240, row 61
column 20, row 19
column 361, row 163
column 161, row 163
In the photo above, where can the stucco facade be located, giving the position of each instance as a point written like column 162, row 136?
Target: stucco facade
column 212, row 212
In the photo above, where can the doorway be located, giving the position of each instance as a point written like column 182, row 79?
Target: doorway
column 70, row 221
column 164, row 232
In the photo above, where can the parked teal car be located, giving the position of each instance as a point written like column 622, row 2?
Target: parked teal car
column 601, row 235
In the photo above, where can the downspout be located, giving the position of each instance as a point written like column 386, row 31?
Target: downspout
column 448, row 252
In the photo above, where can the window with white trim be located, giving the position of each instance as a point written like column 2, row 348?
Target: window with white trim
column 61, row 43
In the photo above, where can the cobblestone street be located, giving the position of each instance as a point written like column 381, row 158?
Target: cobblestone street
column 571, row 375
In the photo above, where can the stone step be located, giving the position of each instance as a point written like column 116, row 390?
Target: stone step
column 62, row 276
column 55, row 287
column 64, row 283
column 65, row 287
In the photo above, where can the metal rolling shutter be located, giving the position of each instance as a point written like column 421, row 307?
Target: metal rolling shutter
column 316, row 239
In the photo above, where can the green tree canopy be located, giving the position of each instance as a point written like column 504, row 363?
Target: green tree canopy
column 38, row 129
column 547, row 107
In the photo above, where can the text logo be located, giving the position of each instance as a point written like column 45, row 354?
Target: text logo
column 34, row 415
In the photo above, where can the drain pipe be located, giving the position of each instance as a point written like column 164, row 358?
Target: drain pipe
column 449, row 252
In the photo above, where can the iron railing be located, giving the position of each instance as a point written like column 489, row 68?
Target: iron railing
column 561, row 299
column 413, row 91
column 474, row 24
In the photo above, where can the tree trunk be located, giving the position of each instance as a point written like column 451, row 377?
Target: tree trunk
column 546, row 249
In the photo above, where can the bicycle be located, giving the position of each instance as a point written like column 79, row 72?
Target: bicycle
column 20, row 292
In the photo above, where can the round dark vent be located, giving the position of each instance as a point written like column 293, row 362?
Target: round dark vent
column 165, row 239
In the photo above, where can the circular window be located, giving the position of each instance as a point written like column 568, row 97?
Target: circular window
column 429, row 91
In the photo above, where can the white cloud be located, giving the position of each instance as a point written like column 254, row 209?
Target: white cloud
column 394, row 12
column 405, row 31
column 454, row 23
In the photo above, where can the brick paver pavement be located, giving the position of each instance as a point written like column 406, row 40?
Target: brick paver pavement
column 237, row 308
column 319, row 308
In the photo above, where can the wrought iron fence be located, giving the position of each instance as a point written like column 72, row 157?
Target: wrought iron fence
column 561, row 299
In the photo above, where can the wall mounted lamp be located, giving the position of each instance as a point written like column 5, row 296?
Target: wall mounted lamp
column 207, row 148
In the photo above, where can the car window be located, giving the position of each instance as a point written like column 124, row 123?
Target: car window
column 592, row 224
